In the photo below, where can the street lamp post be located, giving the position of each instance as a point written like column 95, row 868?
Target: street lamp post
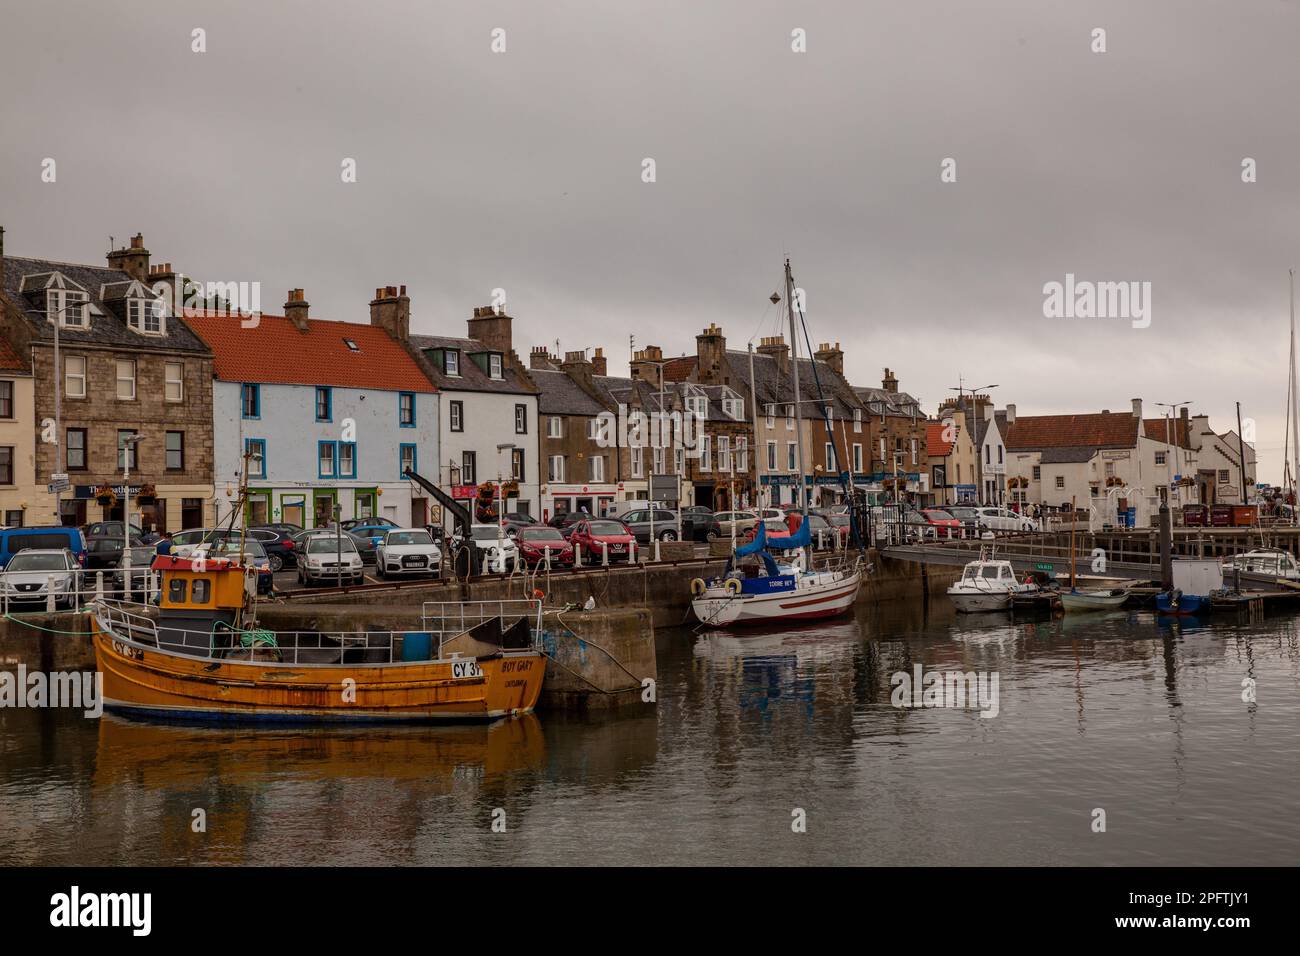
column 128, row 453
column 501, row 504
column 1171, row 421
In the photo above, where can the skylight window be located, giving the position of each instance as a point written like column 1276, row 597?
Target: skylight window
column 352, row 345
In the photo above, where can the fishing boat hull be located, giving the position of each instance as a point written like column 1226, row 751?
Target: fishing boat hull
column 978, row 603
column 719, row 607
column 151, row 681
column 1082, row 601
column 1186, row 605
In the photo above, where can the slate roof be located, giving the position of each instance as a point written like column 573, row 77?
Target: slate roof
column 772, row 386
column 982, row 428
column 471, row 378
column 108, row 329
column 560, row 395
column 276, row 352
column 892, row 404
column 1067, row 455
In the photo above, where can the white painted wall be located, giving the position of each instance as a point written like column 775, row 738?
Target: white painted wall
column 489, row 420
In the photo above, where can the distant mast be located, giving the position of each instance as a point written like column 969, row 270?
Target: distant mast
column 794, row 366
column 1293, row 413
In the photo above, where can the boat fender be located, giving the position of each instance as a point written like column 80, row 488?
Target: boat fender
column 697, row 586
column 733, row 585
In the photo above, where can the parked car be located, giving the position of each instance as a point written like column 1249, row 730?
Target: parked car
column 993, row 518
column 968, row 517
column 254, row 556
column 370, row 529
column 824, row 535
column 777, row 514
column 945, row 523
column 494, row 544
column 105, row 550
column 52, row 538
column 564, row 520
column 364, row 543
column 537, row 541
column 140, row 573
column 408, row 551
column 597, row 534
column 281, row 547
column 667, row 526
column 840, row 522
column 32, row 574
column 329, row 558
column 117, row 529
column 742, row 521
column 352, row 523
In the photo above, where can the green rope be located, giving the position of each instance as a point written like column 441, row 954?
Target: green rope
column 47, row 630
column 260, row 636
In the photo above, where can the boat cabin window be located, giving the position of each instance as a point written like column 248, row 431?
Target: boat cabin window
column 176, row 588
column 201, row 591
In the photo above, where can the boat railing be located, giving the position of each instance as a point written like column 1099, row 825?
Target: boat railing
column 450, row 618
column 126, row 619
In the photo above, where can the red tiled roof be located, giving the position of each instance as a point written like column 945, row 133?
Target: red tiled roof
column 1099, row 430
column 10, row 360
column 1158, row 428
column 934, row 441
column 275, row 352
column 679, row 369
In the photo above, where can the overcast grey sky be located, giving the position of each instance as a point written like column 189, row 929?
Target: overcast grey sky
column 522, row 170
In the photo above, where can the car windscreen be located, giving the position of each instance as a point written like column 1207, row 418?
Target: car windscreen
column 408, row 537
column 540, row 534
column 38, row 541
column 329, row 544
column 937, row 515
column 606, row 527
column 38, row 562
column 488, row 533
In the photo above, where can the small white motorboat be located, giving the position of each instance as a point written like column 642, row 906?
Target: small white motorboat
column 988, row 585
column 1093, row 599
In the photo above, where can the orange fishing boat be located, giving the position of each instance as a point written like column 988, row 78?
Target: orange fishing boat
column 199, row 655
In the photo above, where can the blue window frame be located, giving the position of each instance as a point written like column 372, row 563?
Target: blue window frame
column 256, row 468
column 324, row 403
column 327, row 459
column 406, row 409
column 347, row 459
column 406, row 458
column 250, row 400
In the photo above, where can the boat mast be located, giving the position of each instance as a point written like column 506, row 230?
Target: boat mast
column 1294, row 412
column 1072, row 508
column 794, row 367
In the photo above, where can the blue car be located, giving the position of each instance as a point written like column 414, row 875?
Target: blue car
column 13, row 540
column 375, row 531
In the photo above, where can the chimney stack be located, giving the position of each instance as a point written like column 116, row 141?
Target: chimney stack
column 890, row 382
column 598, row 364
column 391, row 311
column 1011, row 414
column 491, row 326
column 774, row 346
column 540, row 358
column 576, row 366
column 1137, row 409
column 832, row 356
column 644, row 365
column 711, row 351
column 295, row 310
column 133, row 260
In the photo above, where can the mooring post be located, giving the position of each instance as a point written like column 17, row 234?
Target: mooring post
column 1166, row 549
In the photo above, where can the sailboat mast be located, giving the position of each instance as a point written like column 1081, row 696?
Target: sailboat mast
column 802, row 499
column 1295, row 411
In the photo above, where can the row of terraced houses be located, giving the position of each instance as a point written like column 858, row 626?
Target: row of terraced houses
column 173, row 402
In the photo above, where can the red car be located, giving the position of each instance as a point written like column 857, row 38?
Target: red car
column 536, row 541
column 943, row 523
column 591, row 533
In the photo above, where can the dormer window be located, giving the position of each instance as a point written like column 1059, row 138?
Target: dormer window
column 145, row 316
column 68, row 307
column 494, row 365
column 451, row 362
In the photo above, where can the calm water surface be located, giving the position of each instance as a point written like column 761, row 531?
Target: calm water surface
column 1142, row 718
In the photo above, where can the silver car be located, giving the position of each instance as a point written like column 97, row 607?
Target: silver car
column 32, row 575
column 667, row 526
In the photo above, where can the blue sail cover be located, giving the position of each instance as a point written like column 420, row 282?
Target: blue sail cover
column 801, row 538
column 756, row 546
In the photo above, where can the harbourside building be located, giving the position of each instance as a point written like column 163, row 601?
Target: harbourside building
column 135, row 387
column 899, row 461
column 325, row 416
column 21, row 497
column 488, row 426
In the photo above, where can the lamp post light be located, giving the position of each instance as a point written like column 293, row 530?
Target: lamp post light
column 1171, row 421
column 501, row 503
column 128, row 454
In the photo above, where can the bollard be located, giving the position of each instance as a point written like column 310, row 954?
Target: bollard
column 487, row 564
column 99, row 585
column 632, row 555
column 657, row 558
column 49, row 594
column 546, row 559
column 604, row 555
column 577, row 555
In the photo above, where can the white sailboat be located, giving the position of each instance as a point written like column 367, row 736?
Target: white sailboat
column 790, row 590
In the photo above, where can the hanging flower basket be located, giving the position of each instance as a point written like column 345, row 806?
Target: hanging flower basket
column 1114, row 481
column 148, row 494
column 106, row 496
column 1018, row 482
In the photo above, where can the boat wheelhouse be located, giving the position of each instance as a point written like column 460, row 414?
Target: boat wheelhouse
column 988, row 584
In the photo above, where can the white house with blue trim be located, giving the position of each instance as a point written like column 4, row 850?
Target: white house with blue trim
column 331, row 412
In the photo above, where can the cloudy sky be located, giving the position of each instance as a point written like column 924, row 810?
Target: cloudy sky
column 522, row 170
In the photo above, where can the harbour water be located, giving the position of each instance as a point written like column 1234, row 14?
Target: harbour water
column 1141, row 718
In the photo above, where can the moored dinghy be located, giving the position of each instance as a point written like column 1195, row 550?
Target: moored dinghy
column 1093, row 599
column 988, row 585
column 194, row 657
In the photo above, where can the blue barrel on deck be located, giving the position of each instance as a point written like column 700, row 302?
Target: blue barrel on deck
column 417, row 646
